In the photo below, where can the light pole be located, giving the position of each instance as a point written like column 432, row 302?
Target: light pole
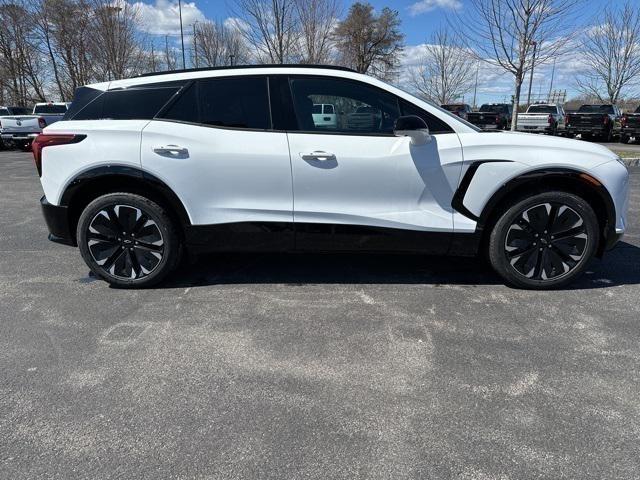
column 475, row 87
column 195, row 44
column 181, row 33
column 533, row 63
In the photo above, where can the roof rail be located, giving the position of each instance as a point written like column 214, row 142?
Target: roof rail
column 235, row 67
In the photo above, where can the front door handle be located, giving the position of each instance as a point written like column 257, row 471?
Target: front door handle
column 172, row 151
column 318, row 155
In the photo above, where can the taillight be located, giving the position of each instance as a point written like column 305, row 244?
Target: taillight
column 42, row 122
column 49, row 140
column 497, row 119
column 568, row 120
column 623, row 121
column 550, row 119
column 606, row 119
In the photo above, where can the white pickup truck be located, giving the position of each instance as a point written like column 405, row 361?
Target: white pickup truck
column 542, row 118
column 20, row 130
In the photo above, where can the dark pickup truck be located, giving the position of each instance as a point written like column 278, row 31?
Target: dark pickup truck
column 492, row 116
column 600, row 121
column 630, row 126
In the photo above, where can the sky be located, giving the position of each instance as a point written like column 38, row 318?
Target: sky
column 420, row 18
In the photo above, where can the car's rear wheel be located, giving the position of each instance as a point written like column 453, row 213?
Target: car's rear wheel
column 128, row 240
column 544, row 241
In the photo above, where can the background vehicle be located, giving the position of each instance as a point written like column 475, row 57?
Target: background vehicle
column 8, row 111
column 460, row 109
column 601, row 121
column 20, row 130
column 547, row 118
column 212, row 160
column 492, row 116
column 630, row 126
column 324, row 115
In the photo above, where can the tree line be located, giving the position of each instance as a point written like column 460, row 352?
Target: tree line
column 48, row 48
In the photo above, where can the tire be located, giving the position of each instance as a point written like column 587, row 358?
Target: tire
column 624, row 139
column 128, row 240
column 608, row 137
column 524, row 247
column 587, row 137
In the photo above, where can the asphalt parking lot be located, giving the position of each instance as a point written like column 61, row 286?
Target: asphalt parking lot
column 311, row 366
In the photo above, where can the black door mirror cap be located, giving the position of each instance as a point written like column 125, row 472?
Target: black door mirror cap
column 414, row 127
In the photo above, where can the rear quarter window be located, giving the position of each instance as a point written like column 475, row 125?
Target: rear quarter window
column 137, row 103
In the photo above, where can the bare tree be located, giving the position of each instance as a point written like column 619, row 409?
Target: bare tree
column 64, row 31
column 317, row 19
column 446, row 71
column 270, row 27
column 370, row 43
column 217, row 44
column 118, row 47
column 506, row 33
column 611, row 52
column 20, row 59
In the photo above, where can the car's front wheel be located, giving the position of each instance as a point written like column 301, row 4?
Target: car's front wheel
column 128, row 240
column 544, row 241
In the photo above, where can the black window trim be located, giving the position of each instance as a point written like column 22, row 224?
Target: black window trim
column 196, row 84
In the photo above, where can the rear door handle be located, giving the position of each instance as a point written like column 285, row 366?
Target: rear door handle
column 318, row 155
column 172, row 151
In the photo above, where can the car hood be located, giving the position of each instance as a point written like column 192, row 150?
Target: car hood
column 532, row 149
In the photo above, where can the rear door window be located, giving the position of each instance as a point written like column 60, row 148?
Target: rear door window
column 230, row 102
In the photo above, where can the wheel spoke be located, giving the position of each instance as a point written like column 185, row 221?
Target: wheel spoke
column 571, row 233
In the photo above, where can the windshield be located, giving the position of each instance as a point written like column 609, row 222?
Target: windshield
column 541, row 109
column 50, row 109
column 493, row 108
column 456, row 118
column 4, row 111
column 453, row 108
column 595, row 109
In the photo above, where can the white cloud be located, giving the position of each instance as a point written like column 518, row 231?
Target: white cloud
column 162, row 17
column 423, row 6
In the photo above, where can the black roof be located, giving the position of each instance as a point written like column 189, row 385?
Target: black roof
column 235, row 67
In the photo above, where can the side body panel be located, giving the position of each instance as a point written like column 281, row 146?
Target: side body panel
column 227, row 175
column 113, row 142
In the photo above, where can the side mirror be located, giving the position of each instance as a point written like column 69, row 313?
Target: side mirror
column 414, row 127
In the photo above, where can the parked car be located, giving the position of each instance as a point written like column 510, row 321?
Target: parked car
column 19, row 130
column 630, row 126
column 460, row 109
column 542, row 118
column 492, row 116
column 147, row 168
column 324, row 115
column 599, row 121
column 6, row 112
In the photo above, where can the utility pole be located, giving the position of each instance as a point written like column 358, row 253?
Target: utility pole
column 475, row 87
column 166, row 51
column 553, row 71
column 195, row 44
column 231, row 59
column 533, row 63
column 181, row 34
column 153, row 60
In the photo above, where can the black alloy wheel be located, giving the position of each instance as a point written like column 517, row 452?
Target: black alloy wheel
column 128, row 240
column 544, row 241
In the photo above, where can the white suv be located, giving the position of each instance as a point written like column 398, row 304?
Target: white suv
column 225, row 159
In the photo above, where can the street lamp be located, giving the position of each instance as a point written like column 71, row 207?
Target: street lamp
column 533, row 63
column 181, row 33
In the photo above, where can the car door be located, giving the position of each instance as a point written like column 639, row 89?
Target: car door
column 357, row 186
column 214, row 146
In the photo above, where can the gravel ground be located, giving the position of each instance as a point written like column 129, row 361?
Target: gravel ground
column 311, row 366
